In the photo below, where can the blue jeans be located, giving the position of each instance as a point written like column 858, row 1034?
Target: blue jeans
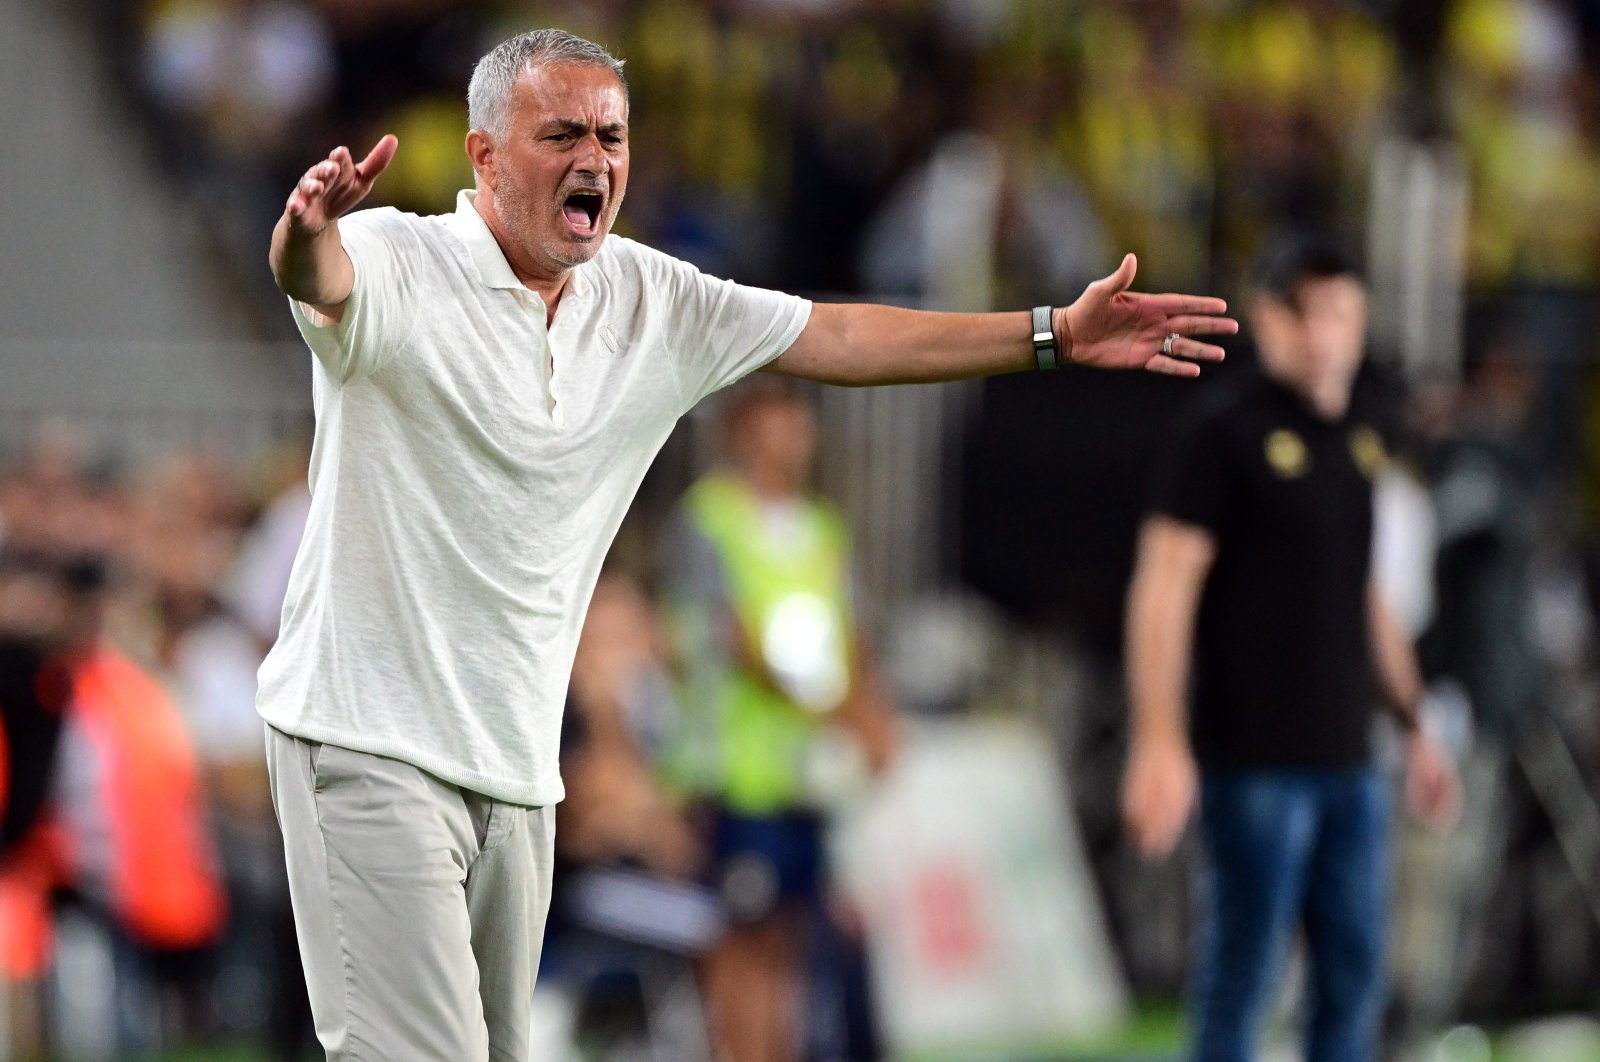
column 1288, row 849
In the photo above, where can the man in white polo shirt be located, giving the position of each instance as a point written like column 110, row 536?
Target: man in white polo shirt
column 490, row 387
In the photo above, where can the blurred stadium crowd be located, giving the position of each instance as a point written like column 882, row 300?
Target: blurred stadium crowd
column 797, row 144
column 784, row 142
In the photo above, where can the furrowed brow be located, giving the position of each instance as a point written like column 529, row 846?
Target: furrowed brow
column 579, row 128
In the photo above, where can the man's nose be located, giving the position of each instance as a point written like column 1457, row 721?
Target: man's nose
column 592, row 157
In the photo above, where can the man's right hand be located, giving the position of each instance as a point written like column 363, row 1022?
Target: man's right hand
column 307, row 258
column 334, row 186
column 1158, row 794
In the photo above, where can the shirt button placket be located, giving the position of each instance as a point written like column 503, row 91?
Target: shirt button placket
column 556, row 413
column 535, row 307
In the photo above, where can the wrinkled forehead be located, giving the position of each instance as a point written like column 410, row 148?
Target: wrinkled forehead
column 570, row 91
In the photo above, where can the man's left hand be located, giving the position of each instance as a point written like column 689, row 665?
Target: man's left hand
column 1110, row 327
column 1433, row 790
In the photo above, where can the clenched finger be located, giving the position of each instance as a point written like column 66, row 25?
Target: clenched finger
column 318, row 177
column 344, row 165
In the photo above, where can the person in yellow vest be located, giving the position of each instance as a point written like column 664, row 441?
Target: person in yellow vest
column 784, row 718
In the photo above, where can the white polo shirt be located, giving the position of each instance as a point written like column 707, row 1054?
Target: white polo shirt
column 470, row 469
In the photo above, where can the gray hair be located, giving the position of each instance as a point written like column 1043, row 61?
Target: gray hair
column 495, row 76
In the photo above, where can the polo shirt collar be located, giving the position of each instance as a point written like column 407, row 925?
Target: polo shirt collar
column 487, row 258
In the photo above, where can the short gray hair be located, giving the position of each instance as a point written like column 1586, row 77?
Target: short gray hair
column 495, row 76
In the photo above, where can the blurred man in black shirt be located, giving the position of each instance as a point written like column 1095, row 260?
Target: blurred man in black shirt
column 1254, row 561
column 48, row 608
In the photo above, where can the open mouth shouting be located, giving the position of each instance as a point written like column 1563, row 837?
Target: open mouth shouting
column 582, row 210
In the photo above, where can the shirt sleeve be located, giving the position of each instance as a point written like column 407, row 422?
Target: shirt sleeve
column 1193, row 483
column 721, row 331
column 379, row 314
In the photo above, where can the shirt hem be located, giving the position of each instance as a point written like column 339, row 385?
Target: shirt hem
column 510, row 792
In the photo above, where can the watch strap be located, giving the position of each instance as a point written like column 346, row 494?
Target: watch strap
column 1045, row 351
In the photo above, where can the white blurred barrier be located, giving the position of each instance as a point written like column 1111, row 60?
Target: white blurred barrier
column 985, row 931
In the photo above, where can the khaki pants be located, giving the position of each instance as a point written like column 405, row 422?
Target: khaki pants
column 419, row 905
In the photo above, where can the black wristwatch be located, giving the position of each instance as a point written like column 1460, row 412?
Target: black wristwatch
column 1044, row 338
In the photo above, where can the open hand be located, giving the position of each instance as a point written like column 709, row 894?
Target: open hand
column 334, row 186
column 1110, row 327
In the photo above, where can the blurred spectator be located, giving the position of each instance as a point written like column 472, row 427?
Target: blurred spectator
column 260, row 992
column 245, row 71
column 36, row 617
column 42, row 621
column 1140, row 133
column 127, row 835
column 1481, row 649
column 626, row 917
column 865, row 102
column 1302, row 90
column 784, row 715
column 621, row 715
column 1528, row 122
column 125, row 831
column 1484, row 482
column 51, row 504
column 1254, row 563
column 183, row 527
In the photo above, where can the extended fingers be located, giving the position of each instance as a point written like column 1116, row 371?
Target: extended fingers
column 1173, row 305
column 378, row 158
column 1172, row 366
column 1202, row 325
column 1195, row 350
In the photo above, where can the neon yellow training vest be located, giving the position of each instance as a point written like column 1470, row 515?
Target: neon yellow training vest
column 790, row 595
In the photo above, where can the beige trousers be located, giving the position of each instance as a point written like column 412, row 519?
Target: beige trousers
column 420, row 906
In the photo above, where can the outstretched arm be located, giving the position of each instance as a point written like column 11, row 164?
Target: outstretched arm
column 307, row 258
column 1108, row 327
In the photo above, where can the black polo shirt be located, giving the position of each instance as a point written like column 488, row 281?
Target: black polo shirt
column 1283, row 674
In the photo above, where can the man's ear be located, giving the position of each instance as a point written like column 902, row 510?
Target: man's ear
column 480, row 149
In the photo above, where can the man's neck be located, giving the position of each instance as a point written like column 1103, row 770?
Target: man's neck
column 1329, row 400
column 548, row 283
column 767, row 485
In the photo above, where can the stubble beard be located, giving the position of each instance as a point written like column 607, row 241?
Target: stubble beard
column 520, row 212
